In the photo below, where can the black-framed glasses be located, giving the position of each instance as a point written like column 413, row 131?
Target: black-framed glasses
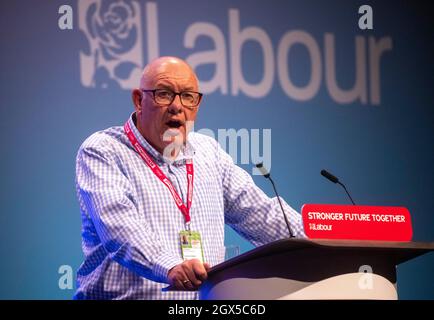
column 165, row 97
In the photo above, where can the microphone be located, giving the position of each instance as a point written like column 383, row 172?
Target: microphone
column 333, row 179
column 266, row 175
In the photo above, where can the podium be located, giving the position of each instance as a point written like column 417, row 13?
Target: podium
column 312, row 269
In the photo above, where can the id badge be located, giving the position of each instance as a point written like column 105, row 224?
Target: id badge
column 191, row 245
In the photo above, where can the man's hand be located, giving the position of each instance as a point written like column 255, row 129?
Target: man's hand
column 188, row 275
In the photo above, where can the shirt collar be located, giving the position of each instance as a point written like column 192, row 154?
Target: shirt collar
column 187, row 151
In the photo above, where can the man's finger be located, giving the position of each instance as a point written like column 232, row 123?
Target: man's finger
column 187, row 284
column 178, row 284
column 207, row 266
column 176, row 276
column 188, row 269
column 200, row 270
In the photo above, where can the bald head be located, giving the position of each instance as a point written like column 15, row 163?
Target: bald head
column 161, row 67
column 163, row 124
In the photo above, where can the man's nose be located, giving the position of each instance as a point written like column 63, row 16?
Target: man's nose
column 176, row 105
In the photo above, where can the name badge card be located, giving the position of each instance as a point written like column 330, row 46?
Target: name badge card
column 191, row 245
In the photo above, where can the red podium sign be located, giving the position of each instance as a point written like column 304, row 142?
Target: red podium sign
column 329, row 221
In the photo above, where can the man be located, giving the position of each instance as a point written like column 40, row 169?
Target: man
column 135, row 187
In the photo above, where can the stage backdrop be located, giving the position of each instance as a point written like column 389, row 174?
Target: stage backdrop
column 299, row 85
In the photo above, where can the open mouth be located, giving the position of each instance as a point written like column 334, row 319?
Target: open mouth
column 174, row 124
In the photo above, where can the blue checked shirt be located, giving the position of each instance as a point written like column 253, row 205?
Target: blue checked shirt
column 131, row 224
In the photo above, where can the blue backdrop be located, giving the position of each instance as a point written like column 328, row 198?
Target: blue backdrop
column 356, row 102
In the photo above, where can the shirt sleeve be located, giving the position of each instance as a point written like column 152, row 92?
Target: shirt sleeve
column 249, row 211
column 107, row 199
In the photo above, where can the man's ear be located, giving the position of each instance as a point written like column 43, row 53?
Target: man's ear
column 136, row 95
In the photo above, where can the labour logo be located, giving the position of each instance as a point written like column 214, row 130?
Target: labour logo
column 112, row 55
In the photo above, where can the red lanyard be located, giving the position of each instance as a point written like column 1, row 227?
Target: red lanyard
column 185, row 209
